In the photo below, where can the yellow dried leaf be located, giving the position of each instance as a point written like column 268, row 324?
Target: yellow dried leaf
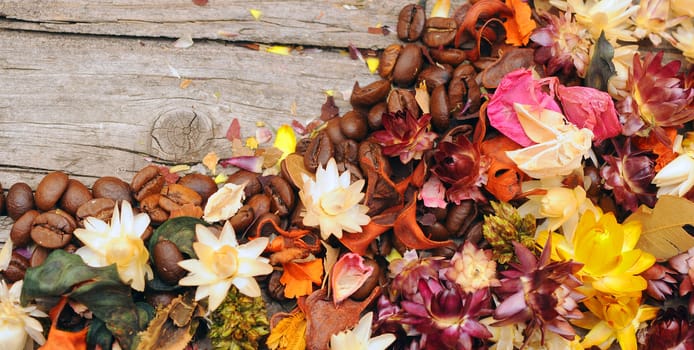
column 256, row 13
column 289, row 333
column 221, row 178
column 279, row 50
column 179, row 168
column 210, row 161
column 252, row 142
column 372, row 63
column 185, row 83
column 441, row 8
column 662, row 228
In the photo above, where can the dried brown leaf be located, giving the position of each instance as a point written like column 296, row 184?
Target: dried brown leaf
column 663, row 233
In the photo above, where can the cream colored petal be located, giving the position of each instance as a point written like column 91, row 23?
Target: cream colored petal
column 12, row 337
column 93, row 224
column 252, row 267
column 247, row 285
column 16, row 290
column 205, row 237
column 5, row 255
column 253, row 248
column 228, row 236
column 96, row 241
column 115, row 222
column 91, row 257
column 345, row 179
column 342, row 341
column 34, row 329
column 224, row 203
column 328, row 227
column 363, row 329
column 217, row 293
column 381, row 342
column 199, row 274
column 140, row 223
column 126, row 218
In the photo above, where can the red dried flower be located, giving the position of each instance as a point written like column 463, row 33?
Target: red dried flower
column 459, row 164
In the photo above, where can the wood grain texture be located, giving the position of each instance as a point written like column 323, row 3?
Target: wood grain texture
column 100, row 106
column 324, row 23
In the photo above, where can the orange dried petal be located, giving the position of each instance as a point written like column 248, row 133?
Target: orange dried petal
column 298, row 278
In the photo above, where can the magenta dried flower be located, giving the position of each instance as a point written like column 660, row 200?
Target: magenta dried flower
column 459, row 164
column 540, row 293
column 670, row 330
column 447, row 317
column 405, row 135
column 629, row 176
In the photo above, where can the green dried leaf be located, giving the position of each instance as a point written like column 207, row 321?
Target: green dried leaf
column 601, row 67
column 180, row 231
column 99, row 288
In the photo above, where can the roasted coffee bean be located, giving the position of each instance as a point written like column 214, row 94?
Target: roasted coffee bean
column 475, row 234
column 166, row 257
column 16, row 269
column 371, row 282
column 260, row 204
column 100, row 208
column 439, row 31
column 112, row 187
column 249, row 178
column 460, row 216
column 386, row 62
column 411, row 21
column 375, row 117
column 319, row 152
column 401, row 100
column 21, row 229
column 20, row 199
column 370, row 94
column 275, row 288
column 150, row 205
column 355, row 173
column 174, row 196
column 50, row 189
column 454, row 57
column 146, row 182
column 435, row 76
column 371, row 158
column 160, row 300
column 437, row 232
column 354, row 126
column 75, row 195
column 347, row 151
column 202, row 184
column 302, row 145
column 2, row 201
column 439, row 213
column 439, row 109
column 408, row 65
column 463, row 90
column 38, row 256
column 52, row 230
column 332, row 128
column 281, row 194
column 242, row 219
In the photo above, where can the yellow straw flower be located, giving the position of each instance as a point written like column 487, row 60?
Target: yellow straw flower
column 119, row 243
column 17, row 323
column 610, row 16
column 614, row 318
column 222, row 262
column 611, row 264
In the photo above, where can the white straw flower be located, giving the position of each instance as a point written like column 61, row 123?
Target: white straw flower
column 17, row 323
column 222, row 262
column 119, row 243
column 332, row 202
column 360, row 337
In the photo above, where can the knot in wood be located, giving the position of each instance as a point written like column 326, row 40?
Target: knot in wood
column 182, row 135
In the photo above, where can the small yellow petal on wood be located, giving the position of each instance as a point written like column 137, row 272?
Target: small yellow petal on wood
column 279, row 50
column 179, row 168
column 185, row 83
column 441, row 8
column 256, row 13
column 372, row 63
column 252, row 142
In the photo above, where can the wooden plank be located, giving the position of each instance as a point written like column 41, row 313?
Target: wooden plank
column 94, row 106
column 327, row 23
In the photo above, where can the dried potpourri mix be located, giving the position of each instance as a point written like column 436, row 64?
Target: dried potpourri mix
column 520, row 177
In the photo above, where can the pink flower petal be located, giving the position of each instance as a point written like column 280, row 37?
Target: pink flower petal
column 349, row 274
column 250, row 163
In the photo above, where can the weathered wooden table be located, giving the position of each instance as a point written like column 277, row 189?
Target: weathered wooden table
column 94, row 88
